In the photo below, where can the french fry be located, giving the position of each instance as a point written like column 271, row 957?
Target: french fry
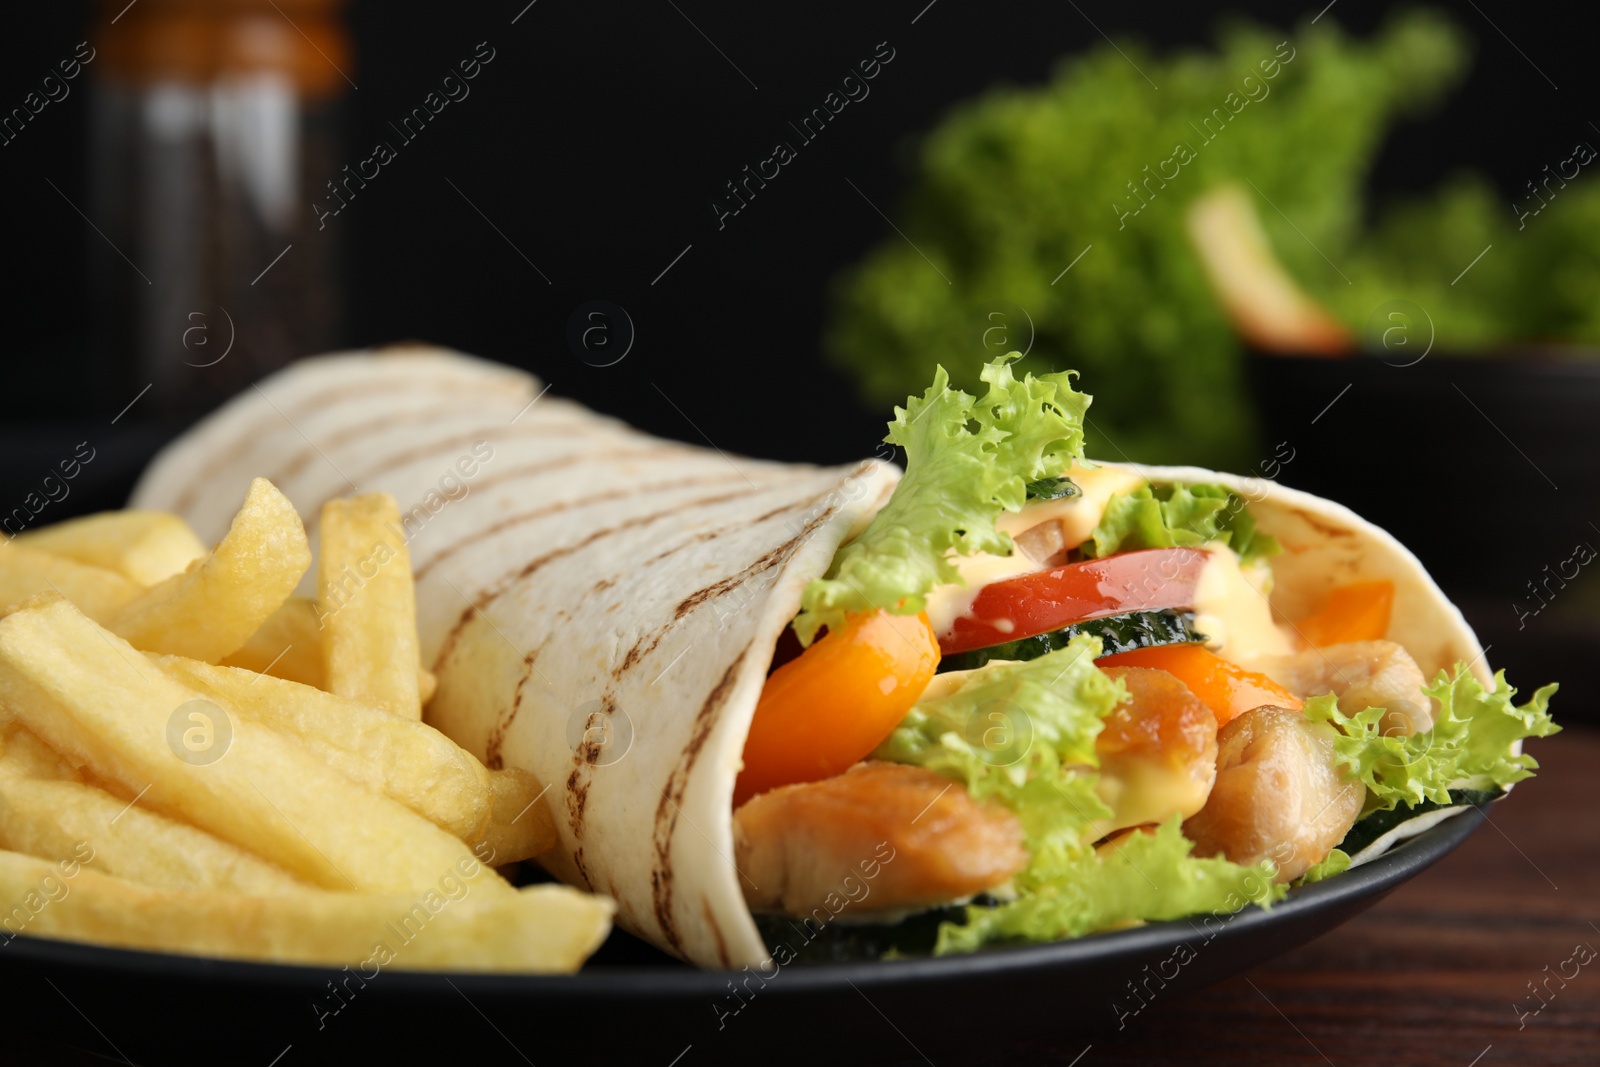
column 22, row 753
column 399, row 757
column 50, row 818
column 287, row 645
column 103, row 706
column 520, row 825
column 213, row 607
column 368, row 605
column 450, row 924
column 145, row 547
column 99, row 593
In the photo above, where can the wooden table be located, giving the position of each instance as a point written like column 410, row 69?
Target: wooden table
column 1436, row 974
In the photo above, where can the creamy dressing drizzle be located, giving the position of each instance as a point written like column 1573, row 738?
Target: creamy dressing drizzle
column 1230, row 601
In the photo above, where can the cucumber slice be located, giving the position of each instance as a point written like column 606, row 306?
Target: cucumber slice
column 1117, row 633
column 1053, row 489
column 845, row 942
column 1374, row 826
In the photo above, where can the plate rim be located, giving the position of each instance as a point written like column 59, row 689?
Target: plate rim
column 1369, row 882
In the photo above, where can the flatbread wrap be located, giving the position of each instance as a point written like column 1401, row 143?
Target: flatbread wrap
column 1010, row 696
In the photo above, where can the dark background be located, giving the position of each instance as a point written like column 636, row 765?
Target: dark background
column 593, row 145
column 594, row 142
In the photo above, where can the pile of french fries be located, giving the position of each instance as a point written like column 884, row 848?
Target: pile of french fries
column 194, row 759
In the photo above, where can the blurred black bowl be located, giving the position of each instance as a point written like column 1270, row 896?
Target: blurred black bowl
column 1487, row 467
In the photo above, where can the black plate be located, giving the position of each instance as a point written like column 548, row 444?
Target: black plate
column 633, row 1005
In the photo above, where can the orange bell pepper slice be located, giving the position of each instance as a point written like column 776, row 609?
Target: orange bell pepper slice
column 1226, row 688
column 826, row 710
column 1357, row 612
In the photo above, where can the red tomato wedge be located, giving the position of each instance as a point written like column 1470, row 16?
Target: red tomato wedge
column 1357, row 612
column 1152, row 579
column 824, row 711
column 1226, row 688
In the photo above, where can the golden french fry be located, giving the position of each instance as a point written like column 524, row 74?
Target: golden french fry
column 400, row 757
column 212, row 608
column 368, row 604
column 448, row 924
column 99, row 593
column 145, row 547
column 49, row 818
column 22, row 753
column 93, row 698
column 287, row 645
column 520, row 824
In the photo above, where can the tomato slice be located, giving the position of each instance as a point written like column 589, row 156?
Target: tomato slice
column 1226, row 688
column 824, row 711
column 1152, row 579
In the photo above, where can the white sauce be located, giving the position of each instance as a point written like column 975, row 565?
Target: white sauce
column 1230, row 605
column 1078, row 515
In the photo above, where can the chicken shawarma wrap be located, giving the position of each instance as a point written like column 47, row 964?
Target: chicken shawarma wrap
column 1010, row 695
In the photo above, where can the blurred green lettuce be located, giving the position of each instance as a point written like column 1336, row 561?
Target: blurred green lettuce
column 1016, row 185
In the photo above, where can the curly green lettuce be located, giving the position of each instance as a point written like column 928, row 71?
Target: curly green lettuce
column 967, row 460
column 1012, row 186
column 1023, row 735
column 1470, row 744
column 1146, row 876
column 1180, row 516
column 1335, row 862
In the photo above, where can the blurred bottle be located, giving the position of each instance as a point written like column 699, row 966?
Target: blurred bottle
column 213, row 122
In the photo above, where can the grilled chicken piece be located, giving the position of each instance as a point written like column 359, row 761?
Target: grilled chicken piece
column 1157, row 750
column 1279, row 796
column 882, row 837
column 1362, row 674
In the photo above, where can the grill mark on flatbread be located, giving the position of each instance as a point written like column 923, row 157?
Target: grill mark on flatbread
column 508, row 581
column 635, row 451
column 584, row 758
column 497, row 736
column 443, row 448
column 319, row 401
column 345, row 434
column 698, row 539
column 583, row 872
column 647, row 643
column 421, row 570
column 667, row 810
column 716, row 932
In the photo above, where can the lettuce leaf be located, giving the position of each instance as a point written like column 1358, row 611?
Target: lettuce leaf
column 1337, row 861
column 1180, row 516
column 1145, row 876
column 967, row 460
column 1470, row 741
column 1021, row 733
